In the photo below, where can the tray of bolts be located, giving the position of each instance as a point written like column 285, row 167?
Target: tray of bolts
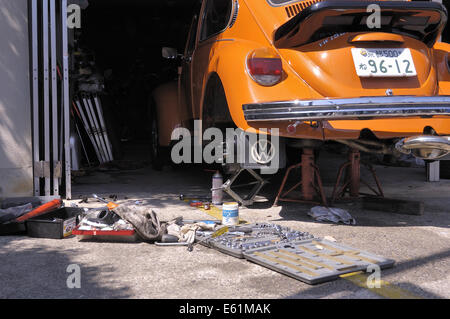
column 314, row 261
column 240, row 239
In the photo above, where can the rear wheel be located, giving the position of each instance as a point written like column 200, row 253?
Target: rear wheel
column 158, row 153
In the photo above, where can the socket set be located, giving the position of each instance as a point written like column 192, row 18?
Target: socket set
column 240, row 239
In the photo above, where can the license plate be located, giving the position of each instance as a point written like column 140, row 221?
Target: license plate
column 383, row 62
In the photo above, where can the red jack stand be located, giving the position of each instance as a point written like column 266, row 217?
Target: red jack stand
column 353, row 179
column 310, row 182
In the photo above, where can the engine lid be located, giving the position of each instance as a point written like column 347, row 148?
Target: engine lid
column 423, row 21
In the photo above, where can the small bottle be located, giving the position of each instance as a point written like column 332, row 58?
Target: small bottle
column 217, row 192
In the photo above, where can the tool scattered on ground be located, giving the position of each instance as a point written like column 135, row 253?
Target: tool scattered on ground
column 193, row 221
column 191, row 197
column 215, row 234
column 47, row 207
column 110, row 205
column 84, row 199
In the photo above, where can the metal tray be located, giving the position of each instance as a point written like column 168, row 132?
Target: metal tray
column 315, row 261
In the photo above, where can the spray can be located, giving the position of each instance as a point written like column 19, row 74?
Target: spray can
column 217, row 192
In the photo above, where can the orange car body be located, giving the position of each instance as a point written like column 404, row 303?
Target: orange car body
column 313, row 74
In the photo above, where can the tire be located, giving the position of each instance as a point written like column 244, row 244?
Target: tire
column 157, row 153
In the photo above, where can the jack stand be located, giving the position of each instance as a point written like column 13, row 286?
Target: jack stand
column 353, row 179
column 310, row 182
column 249, row 199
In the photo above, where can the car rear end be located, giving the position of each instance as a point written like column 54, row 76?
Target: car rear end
column 370, row 67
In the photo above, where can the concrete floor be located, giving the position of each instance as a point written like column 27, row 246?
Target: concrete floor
column 420, row 245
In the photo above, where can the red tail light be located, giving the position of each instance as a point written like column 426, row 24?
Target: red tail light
column 265, row 66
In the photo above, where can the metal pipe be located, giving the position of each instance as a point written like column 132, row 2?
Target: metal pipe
column 100, row 130
column 102, row 123
column 94, row 131
column 55, row 155
column 66, row 98
column 87, row 128
column 355, row 144
column 35, row 93
column 46, row 91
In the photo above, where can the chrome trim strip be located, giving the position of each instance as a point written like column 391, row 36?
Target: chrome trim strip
column 358, row 108
column 447, row 62
column 234, row 16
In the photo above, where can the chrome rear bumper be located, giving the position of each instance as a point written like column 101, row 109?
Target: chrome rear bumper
column 354, row 108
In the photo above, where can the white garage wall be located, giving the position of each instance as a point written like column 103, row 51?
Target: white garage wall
column 16, row 175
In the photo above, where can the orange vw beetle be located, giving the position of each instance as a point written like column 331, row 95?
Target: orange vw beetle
column 370, row 74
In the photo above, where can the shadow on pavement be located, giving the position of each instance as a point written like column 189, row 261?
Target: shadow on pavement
column 48, row 276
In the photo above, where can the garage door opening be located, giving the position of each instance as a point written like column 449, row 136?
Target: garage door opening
column 117, row 59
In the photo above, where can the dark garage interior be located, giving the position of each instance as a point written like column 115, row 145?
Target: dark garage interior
column 121, row 42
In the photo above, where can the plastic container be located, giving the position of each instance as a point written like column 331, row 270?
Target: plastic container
column 230, row 214
column 56, row 224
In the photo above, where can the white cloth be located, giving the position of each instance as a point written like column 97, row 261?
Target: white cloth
column 186, row 233
column 332, row 214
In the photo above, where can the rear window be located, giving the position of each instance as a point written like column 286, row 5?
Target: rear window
column 216, row 17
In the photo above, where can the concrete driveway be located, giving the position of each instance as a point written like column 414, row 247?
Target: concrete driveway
column 420, row 245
